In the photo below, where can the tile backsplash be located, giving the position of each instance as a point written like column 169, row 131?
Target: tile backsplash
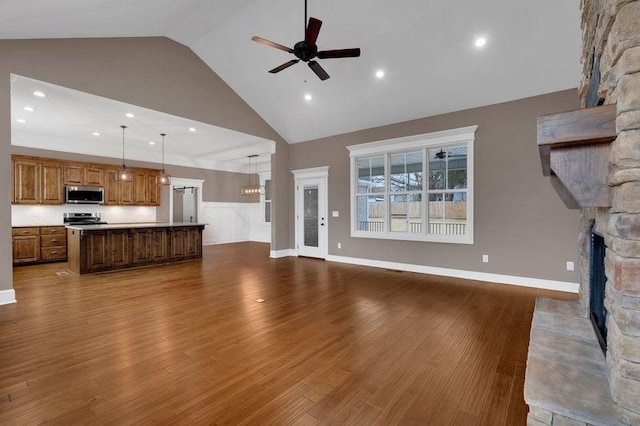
column 25, row 215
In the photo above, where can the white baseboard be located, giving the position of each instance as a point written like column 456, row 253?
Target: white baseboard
column 7, row 297
column 566, row 286
column 276, row 254
column 227, row 241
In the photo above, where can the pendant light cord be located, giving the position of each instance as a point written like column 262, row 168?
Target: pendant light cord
column 123, row 127
column 163, row 135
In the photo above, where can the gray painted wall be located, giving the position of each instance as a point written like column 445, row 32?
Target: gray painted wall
column 520, row 222
column 155, row 73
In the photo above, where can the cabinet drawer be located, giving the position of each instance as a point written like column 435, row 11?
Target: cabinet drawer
column 53, row 241
column 53, row 230
column 53, row 253
column 19, row 232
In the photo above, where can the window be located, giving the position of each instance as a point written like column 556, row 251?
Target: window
column 415, row 188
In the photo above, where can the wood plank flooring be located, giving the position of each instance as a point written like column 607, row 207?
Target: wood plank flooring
column 331, row 344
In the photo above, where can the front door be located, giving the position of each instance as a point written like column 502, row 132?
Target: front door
column 311, row 217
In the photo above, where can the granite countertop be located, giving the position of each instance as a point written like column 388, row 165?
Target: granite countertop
column 133, row 225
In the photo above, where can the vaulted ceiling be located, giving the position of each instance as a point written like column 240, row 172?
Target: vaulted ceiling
column 425, row 48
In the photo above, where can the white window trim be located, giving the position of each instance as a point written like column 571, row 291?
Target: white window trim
column 426, row 140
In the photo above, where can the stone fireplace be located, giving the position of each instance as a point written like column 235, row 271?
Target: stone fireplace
column 569, row 379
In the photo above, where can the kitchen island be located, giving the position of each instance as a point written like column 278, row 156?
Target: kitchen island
column 101, row 248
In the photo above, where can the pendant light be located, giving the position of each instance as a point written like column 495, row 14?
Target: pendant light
column 252, row 189
column 124, row 175
column 163, row 178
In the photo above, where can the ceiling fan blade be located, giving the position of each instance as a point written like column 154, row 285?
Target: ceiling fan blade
column 271, row 43
column 320, row 72
column 313, row 29
column 284, row 66
column 340, row 53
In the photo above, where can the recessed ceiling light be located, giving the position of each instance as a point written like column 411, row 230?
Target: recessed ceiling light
column 308, row 97
column 39, row 94
column 28, row 108
column 152, row 143
column 96, row 134
column 21, row 121
column 380, row 74
column 480, row 42
column 192, row 129
column 130, row 115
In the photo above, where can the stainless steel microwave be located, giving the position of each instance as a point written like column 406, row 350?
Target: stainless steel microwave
column 83, row 195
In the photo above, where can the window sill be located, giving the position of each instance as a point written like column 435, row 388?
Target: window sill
column 402, row 236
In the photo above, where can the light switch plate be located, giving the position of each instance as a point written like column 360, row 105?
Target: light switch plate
column 571, row 266
column 485, row 258
column 335, row 213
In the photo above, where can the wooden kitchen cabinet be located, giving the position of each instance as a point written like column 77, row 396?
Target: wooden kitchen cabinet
column 140, row 193
column 93, row 176
column 53, row 243
column 153, row 190
column 81, row 174
column 73, row 175
column 150, row 245
column 42, row 181
column 26, row 245
column 100, row 250
column 39, row 244
column 107, row 250
column 111, row 189
column 125, row 193
column 186, row 242
column 37, row 182
column 25, row 182
column 51, row 187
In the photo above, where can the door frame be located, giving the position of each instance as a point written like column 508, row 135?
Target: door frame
column 321, row 175
column 180, row 182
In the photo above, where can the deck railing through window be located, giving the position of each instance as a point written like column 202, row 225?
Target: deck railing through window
column 438, row 228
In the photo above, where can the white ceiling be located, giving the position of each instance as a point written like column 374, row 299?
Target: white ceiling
column 426, row 48
column 66, row 119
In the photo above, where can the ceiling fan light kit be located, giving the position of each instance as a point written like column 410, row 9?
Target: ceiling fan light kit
column 307, row 50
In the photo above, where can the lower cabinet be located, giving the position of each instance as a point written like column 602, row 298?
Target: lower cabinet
column 186, row 243
column 150, row 245
column 39, row 244
column 26, row 249
column 107, row 249
column 103, row 250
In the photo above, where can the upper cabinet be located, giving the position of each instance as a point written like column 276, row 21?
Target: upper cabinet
column 37, row 182
column 80, row 174
column 42, row 181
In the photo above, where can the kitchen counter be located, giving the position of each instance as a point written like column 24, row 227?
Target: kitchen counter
column 108, row 226
column 108, row 247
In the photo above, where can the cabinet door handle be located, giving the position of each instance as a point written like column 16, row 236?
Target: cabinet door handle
column 25, row 232
column 53, row 231
column 54, row 241
column 54, row 252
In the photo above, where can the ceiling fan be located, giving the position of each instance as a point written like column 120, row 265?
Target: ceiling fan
column 306, row 50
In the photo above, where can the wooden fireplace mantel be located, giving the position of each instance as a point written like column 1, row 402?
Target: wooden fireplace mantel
column 574, row 152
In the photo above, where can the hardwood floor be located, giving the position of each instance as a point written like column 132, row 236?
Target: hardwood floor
column 331, row 344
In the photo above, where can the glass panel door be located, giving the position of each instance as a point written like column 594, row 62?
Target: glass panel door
column 311, row 216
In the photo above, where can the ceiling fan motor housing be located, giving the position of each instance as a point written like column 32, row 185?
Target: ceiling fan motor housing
column 304, row 52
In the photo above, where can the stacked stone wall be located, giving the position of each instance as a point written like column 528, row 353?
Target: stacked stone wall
column 611, row 38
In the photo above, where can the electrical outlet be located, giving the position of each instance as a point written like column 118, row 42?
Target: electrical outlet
column 335, row 213
column 485, row 258
column 571, row 266
column 339, row 245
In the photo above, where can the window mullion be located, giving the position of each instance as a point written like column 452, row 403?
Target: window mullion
column 425, row 192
